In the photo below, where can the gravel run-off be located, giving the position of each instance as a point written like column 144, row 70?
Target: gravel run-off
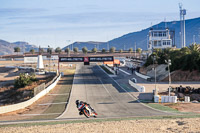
column 123, row 126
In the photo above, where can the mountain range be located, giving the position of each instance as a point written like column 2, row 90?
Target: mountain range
column 192, row 28
column 8, row 48
column 124, row 42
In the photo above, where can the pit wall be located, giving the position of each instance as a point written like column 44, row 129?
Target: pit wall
column 112, row 71
column 139, row 88
column 22, row 105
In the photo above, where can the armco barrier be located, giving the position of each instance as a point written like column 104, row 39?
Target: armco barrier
column 139, row 88
column 22, row 105
column 142, row 76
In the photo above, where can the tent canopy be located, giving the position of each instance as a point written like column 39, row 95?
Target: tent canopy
column 111, row 62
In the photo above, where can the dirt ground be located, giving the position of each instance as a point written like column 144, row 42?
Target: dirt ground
column 163, row 86
column 124, row 126
column 185, row 107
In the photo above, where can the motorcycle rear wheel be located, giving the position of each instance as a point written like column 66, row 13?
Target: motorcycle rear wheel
column 86, row 113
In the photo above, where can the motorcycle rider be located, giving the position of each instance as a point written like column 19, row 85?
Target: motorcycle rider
column 79, row 104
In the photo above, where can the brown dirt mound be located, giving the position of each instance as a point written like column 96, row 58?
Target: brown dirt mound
column 184, row 76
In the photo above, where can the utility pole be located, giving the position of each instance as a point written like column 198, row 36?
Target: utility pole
column 147, row 42
column 194, row 41
column 49, row 56
column 154, row 62
column 135, row 49
column 108, row 46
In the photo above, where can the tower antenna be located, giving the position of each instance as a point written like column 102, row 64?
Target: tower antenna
column 182, row 25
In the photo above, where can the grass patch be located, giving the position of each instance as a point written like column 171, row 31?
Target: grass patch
column 64, row 86
column 106, row 70
column 161, row 107
column 97, row 120
column 167, row 108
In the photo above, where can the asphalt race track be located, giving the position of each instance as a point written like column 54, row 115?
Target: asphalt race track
column 105, row 95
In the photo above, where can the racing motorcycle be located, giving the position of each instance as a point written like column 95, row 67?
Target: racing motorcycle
column 85, row 109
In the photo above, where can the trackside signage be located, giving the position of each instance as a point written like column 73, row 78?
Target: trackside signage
column 30, row 59
column 86, row 59
column 71, row 59
column 101, row 59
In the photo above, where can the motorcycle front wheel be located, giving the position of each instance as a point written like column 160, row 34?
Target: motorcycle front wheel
column 86, row 113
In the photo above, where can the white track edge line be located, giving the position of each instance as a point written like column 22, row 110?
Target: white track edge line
column 125, row 72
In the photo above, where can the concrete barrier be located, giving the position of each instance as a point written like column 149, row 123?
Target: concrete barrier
column 139, row 88
column 187, row 99
column 168, row 99
column 22, row 105
column 142, row 76
column 156, row 98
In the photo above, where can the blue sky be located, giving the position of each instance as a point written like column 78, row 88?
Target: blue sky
column 60, row 22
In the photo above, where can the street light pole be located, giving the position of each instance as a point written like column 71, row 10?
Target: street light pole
column 169, row 63
column 49, row 56
column 154, row 59
column 135, row 49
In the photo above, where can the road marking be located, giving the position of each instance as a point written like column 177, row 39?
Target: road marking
column 106, row 89
column 135, row 97
column 39, row 114
column 59, row 94
column 125, row 72
column 129, row 89
column 52, row 103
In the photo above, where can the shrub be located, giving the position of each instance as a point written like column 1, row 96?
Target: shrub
column 24, row 80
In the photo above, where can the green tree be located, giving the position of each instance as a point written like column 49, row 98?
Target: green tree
column 49, row 50
column 41, row 50
column 94, row 50
column 32, row 51
column 112, row 50
column 187, row 58
column 192, row 58
column 121, row 51
column 130, row 50
column 139, row 50
column 58, row 50
column 67, row 50
column 75, row 49
column 103, row 50
column 84, row 50
column 17, row 49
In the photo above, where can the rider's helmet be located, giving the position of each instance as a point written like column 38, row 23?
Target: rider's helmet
column 77, row 102
column 81, row 102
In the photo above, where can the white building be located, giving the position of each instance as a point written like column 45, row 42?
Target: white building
column 160, row 38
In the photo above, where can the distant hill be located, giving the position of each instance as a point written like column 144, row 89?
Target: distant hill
column 8, row 48
column 90, row 45
column 140, row 37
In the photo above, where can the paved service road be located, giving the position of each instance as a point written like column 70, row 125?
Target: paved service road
column 95, row 87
